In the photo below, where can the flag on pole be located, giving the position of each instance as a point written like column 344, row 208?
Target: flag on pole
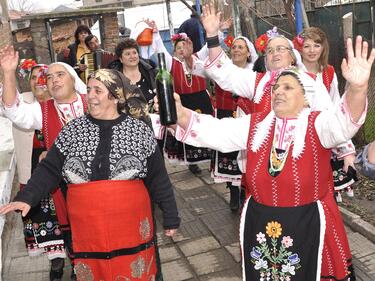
column 298, row 15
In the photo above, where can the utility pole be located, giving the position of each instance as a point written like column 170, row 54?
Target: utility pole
column 373, row 22
column 236, row 18
column 4, row 10
column 169, row 14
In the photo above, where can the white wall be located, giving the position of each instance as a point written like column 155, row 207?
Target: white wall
column 158, row 13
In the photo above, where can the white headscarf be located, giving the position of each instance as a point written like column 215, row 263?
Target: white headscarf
column 79, row 86
column 295, row 54
column 317, row 99
column 250, row 46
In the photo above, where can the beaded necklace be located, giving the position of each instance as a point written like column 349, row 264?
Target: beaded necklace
column 277, row 159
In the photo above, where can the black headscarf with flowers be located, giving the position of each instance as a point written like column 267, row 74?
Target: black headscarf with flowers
column 130, row 98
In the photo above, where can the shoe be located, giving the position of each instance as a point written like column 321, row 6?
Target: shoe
column 194, row 168
column 73, row 276
column 242, row 196
column 57, row 269
column 234, row 203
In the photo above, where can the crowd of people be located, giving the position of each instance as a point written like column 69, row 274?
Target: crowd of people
column 90, row 148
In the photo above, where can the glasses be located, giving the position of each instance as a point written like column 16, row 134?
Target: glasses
column 278, row 49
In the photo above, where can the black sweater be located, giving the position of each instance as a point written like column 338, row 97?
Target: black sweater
column 89, row 149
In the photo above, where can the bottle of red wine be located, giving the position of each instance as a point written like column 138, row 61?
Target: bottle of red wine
column 164, row 88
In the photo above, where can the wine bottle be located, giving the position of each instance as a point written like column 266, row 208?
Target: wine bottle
column 164, row 88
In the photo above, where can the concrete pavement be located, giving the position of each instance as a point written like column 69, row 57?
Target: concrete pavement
column 205, row 248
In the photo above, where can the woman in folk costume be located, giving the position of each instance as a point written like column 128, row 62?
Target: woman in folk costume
column 41, row 228
column 290, row 227
column 225, row 167
column 114, row 169
column 313, row 45
column 194, row 95
column 48, row 117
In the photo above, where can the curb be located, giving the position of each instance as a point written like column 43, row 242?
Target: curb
column 356, row 223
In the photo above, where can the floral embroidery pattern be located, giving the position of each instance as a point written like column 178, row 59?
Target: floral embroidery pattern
column 274, row 263
column 83, row 272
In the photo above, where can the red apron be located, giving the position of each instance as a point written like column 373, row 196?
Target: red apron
column 112, row 230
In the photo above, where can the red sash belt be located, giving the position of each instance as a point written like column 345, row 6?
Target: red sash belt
column 112, row 230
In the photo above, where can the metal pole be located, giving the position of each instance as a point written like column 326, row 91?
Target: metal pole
column 49, row 37
column 169, row 14
column 236, row 19
column 304, row 15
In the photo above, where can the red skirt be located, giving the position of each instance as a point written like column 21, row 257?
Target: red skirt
column 112, row 230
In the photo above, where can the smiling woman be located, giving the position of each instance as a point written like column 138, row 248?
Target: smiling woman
column 290, row 203
column 109, row 157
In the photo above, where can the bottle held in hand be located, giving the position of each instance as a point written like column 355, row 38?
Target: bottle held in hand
column 164, row 88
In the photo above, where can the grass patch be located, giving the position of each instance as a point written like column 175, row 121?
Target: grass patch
column 369, row 125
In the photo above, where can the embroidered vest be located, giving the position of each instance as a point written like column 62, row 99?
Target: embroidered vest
column 224, row 99
column 327, row 75
column 51, row 124
column 183, row 85
column 249, row 106
column 302, row 181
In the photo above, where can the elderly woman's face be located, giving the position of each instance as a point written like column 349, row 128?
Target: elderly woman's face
column 278, row 54
column 60, row 84
column 287, row 97
column 101, row 105
column 239, row 52
column 129, row 57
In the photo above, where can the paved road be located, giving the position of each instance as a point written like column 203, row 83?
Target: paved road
column 205, row 247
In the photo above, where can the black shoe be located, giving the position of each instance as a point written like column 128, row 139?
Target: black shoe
column 57, row 269
column 242, row 196
column 73, row 276
column 194, row 168
column 234, row 203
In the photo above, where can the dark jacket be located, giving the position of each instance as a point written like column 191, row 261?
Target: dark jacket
column 146, row 67
column 192, row 27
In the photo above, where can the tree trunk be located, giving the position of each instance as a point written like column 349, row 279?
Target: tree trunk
column 289, row 13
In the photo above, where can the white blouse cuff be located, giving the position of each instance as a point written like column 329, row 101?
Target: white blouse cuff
column 345, row 110
column 181, row 133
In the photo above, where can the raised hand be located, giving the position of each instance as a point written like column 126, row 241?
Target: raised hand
column 188, row 48
column 357, row 67
column 226, row 24
column 8, row 59
column 152, row 24
column 210, row 19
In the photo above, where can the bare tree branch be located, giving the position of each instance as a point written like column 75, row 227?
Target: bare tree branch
column 21, row 5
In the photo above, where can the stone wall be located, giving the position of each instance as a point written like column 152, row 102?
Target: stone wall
column 5, row 38
column 39, row 35
column 7, row 170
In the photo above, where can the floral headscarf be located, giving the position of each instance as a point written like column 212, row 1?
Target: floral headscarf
column 130, row 97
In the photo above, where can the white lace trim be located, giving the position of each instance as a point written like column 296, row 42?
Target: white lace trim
column 263, row 129
column 259, row 92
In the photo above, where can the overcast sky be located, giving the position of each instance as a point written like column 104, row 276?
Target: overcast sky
column 47, row 5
